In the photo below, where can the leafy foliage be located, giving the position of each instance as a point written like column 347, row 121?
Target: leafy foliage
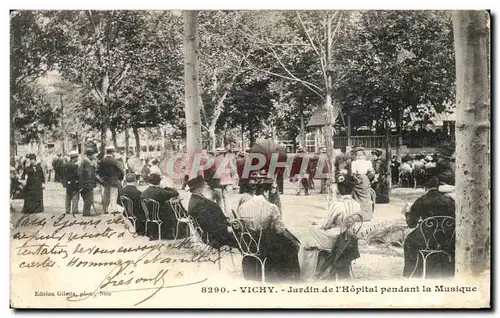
column 400, row 60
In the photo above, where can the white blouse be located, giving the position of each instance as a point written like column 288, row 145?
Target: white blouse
column 361, row 167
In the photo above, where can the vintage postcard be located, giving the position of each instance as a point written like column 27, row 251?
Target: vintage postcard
column 249, row 159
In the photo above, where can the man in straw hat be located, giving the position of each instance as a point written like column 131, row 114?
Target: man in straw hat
column 111, row 172
column 70, row 183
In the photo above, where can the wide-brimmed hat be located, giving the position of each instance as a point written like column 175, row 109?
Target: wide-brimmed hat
column 73, row 154
column 322, row 150
column 195, row 183
column 220, row 150
column 301, row 149
column 31, row 156
column 154, row 178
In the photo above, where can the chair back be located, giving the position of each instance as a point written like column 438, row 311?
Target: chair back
column 438, row 232
column 151, row 209
column 179, row 211
column 128, row 206
column 248, row 235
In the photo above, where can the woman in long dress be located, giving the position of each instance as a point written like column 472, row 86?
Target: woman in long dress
column 363, row 171
column 33, row 188
column 278, row 245
column 322, row 237
column 381, row 182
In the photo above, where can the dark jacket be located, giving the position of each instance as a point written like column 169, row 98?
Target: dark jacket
column 162, row 195
column 212, row 221
column 34, row 177
column 86, row 175
column 433, row 203
column 110, row 171
column 133, row 194
column 70, row 177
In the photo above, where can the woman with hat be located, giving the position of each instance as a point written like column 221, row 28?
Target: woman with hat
column 381, row 182
column 362, row 170
column 322, row 237
column 277, row 244
column 33, row 186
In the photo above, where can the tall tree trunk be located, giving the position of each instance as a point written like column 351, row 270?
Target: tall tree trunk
column 331, row 115
column 349, row 131
column 302, row 129
column 191, row 87
column 113, row 138
column 251, row 134
column 302, row 124
column 213, row 138
column 127, row 144
column 471, row 33
column 400, row 134
column 104, row 131
column 137, row 138
column 242, row 137
column 388, row 151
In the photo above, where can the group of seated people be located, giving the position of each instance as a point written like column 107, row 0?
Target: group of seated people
column 414, row 169
column 325, row 253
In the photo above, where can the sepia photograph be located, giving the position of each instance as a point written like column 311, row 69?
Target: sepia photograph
column 205, row 159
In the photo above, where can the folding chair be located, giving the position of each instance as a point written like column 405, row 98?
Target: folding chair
column 182, row 217
column 248, row 235
column 152, row 211
column 128, row 210
column 438, row 233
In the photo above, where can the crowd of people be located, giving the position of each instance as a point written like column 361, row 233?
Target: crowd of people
column 361, row 183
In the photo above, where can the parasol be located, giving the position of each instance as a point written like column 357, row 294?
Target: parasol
column 268, row 147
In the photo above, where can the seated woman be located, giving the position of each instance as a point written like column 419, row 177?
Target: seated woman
column 322, row 237
column 362, row 170
column 432, row 203
column 278, row 245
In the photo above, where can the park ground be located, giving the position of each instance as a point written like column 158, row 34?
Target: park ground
column 380, row 259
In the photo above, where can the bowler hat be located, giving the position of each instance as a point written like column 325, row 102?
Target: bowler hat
column 196, row 182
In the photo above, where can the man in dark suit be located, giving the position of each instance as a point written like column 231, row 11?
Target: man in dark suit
column 87, row 180
column 111, row 173
column 70, row 183
column 209, row 215
column 130, row 191
column 432, row 203
column 167, row 216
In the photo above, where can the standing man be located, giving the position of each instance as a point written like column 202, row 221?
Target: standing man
column 87, row 180
column 395, row 169
column 70, row 183
column 48, row 165
column 301, row 177
column 111, row 173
